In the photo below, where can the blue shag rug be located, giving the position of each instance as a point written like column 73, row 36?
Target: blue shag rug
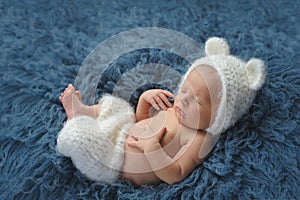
column 43, row 44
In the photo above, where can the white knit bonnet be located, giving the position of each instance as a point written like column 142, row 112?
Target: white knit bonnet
column 240, row 82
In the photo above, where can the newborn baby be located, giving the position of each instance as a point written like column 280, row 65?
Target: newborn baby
column 161, row 141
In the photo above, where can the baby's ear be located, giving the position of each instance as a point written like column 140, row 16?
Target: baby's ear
column 256, row 73
column 216, row 46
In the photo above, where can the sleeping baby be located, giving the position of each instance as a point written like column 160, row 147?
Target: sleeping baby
column 162, row 140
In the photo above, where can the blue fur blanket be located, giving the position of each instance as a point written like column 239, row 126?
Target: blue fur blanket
column 43, row 44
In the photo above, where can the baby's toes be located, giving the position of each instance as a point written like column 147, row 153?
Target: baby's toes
column 78, row 94
column 71, row 87
column 61, row 96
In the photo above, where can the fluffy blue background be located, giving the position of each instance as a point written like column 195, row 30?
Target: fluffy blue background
column 43, row 44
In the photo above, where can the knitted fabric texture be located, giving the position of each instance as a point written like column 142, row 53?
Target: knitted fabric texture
column 240, row 82
column 96, row 146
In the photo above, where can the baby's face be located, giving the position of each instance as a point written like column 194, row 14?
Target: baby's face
column 197, row 100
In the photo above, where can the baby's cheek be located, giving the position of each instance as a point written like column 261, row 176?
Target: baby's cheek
column 194, row 116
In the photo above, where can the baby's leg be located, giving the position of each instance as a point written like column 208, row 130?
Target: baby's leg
column 73, row 105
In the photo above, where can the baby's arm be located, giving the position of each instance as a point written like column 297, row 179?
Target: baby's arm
column 179, row 167
column 167, row 169
column 156, row 98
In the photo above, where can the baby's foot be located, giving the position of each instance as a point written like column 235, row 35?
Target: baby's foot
column 77, row 92
column 71, row 102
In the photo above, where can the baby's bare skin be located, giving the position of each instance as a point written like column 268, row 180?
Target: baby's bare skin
column 166, row 146
column 72, row 103
column 185, row 144
column 136, row 167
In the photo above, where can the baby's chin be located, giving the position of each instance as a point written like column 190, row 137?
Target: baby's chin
column 195, row 127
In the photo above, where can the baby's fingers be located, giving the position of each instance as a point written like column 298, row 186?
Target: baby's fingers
column 154, row 104
column 135, row 144
column 168, row 94
column 134, row 137
column 160, row 101
column 165, row 100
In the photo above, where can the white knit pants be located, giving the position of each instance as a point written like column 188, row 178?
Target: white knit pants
column 96, row 146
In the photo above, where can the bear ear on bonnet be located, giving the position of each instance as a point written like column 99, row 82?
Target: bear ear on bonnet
column 216, row 46
column 255, row 69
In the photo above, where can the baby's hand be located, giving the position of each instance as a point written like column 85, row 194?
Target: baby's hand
column 158, row 98
column 145, row 144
